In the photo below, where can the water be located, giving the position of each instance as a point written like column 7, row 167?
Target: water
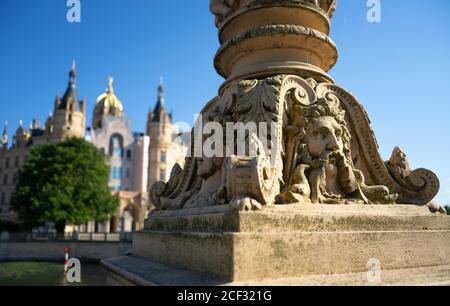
column 49, row 274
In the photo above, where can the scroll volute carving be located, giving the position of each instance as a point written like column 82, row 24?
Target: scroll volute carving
column 422, row 182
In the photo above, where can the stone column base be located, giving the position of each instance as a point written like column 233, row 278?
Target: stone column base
column 295, row 241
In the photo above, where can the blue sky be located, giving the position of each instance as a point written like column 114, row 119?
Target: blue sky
column 399, row 68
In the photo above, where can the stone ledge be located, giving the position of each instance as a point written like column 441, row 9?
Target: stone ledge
column 305, row 218
column 294, row 241
column 138, row 271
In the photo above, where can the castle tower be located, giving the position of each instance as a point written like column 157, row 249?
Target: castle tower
column 5, row 137
column 160, row 129
column 21, row 137
column 69, row 112
column 107, row 105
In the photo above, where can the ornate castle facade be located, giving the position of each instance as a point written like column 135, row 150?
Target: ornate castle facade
column 67, row 120
column 137, row 160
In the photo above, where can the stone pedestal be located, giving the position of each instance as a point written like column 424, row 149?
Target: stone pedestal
column 295, row 241
column 312, row 144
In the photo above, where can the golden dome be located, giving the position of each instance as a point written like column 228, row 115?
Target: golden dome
column 109, row 99
column 107, row 105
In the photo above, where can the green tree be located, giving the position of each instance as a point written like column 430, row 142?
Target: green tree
column 64, row 183
column 447, row 208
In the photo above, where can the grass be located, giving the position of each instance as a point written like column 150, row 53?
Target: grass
column 31, row 273
column 49, row 274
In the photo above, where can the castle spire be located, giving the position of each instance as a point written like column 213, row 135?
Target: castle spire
column 160, row 109
column 5, row 135
column 161, row 91
column 70, row 96
column 110, row 89
column 73, row 74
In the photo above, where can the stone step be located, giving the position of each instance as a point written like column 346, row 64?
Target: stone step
column 243, row 256
column 134, row 270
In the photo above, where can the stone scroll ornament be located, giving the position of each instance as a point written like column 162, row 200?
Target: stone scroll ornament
column 417, row 187
column 325, row 153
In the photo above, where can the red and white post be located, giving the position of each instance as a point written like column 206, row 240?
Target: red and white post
column 66, row 260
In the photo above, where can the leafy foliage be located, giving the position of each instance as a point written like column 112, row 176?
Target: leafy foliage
column 64, row 183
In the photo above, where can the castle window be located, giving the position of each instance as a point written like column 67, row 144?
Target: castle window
column 7, row 163
column 113, row 173
column 128, row 173
column 129, row 154
column 17, row 162
column 5, row 179
column 163, row 157
column 2, row 199
column 116, row 146
column 117, row 173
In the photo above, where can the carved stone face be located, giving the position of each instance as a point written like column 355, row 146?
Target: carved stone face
column 324, row 137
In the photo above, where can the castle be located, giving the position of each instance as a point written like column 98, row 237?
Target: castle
column 137, row 160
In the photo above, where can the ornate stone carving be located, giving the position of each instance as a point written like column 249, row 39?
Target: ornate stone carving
column 319, row 148
column 314, row 162
column 246, row 182
column 420, row 181
column 367, row 158
column 318, row 165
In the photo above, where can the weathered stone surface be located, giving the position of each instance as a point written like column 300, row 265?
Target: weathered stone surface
column 254, row 256
column 132, row 270
column 137, row 271
column 301, row 217
column 295, row 240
